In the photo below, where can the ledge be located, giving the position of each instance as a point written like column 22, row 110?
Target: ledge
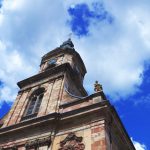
column 78, row 101
column 52, row 117
column 27, row 117
column 29, row 122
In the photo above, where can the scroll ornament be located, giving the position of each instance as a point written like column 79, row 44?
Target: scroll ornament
column 72, row 142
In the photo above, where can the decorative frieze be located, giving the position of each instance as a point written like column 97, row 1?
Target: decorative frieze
column 34, row 144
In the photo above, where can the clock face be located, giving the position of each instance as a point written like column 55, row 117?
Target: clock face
column 52, row 61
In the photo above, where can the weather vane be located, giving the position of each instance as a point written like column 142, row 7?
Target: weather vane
column 69, row 35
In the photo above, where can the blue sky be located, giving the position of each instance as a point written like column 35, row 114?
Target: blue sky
column 112, row 37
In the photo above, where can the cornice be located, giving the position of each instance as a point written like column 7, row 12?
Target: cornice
column 28, row 123
column 61, row 69
column 42, row 75
column 51, row 117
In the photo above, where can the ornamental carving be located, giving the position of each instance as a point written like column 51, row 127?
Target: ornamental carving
column 72, row 142
column 34, row 144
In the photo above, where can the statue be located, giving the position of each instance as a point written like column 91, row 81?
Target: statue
column 97, row 87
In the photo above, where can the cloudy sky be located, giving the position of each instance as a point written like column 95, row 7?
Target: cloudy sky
column 112, row 37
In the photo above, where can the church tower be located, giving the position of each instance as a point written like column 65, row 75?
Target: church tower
column 53, row 111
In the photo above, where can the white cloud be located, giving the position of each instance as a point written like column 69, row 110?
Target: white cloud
column 139, row 146
column 114, row 54
column 26, row 32
column 11, row 70
column 118, row 52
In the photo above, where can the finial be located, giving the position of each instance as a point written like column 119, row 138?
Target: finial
column 97, row 87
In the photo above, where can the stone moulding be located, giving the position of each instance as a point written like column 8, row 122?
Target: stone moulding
column 14, row 147
column 33, row 144
column 72, row 142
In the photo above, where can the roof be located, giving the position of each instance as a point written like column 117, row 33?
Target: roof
column 66, row 47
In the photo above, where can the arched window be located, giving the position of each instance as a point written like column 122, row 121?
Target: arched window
column 34, row 103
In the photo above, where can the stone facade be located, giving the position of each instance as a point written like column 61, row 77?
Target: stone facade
column 67, row 118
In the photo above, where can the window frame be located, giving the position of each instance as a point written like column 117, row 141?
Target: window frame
column 37, row 93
